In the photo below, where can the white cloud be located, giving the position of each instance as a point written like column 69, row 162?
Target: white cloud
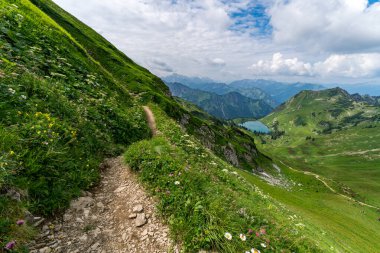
column 346, row 65
column 317, row 38
column 218, row 62
column 354, row 65
column 342, row 26
column 280, row 66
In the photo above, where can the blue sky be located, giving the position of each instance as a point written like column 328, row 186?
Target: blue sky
column 335, row 41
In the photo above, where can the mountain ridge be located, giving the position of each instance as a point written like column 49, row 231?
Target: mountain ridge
column 227, row 106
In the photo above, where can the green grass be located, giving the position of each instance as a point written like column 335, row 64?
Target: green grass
column 60, row 115
column 202, row 197
column 345, row 149
column 68, row 99
column 346, row 226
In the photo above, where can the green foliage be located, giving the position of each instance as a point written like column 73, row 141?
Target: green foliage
column 203, row 197
column 61, row 113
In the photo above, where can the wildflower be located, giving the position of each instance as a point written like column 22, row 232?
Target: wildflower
column 243, row 237
column 263, row 245
column 10, row 245
column 257, row 234
column 20, row 222
column 263, row 231
column 253, row 250
column 250, row 231
column 225, row 170
column 12, row 91
column 11, row 152
column 177, row 183
column 228, row 236
column 23, row 97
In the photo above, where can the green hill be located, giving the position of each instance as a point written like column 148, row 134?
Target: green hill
column 69, row 99
column 334, row 134
column 227, row 106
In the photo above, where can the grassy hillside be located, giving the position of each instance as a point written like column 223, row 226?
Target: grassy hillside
column 344, row 225
column 332, row 134
column 227, row 106
column 202, row 197
column 69, row 99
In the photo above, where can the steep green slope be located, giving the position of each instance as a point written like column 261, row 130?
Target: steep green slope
column 332, row 134
column 202, row 197
column 68, row 99
column 61, row 113
column 227, row 106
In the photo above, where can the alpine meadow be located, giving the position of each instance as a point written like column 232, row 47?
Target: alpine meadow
column 102, row 152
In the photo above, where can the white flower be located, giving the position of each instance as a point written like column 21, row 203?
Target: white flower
column 243, row 237
column 177, row 183
column 23, row 97
column 225, row 170
column 253, row 250
column 12, row 91
column 235, row 173
column 228, row 236
column 263, row 245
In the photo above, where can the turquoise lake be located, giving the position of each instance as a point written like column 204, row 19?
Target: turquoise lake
column 256, row 126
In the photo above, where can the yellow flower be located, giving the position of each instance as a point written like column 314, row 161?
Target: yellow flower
column 11, row 152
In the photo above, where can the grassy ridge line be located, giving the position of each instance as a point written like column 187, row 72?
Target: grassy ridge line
column 60, row 115
column 135, row 77
column 203, row 197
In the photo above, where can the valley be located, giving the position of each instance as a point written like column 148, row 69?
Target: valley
column 98, row 154
column 330, row 134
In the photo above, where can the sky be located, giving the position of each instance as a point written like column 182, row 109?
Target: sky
column 329, row 41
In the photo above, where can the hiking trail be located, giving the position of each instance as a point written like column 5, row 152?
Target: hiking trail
column 116, row 216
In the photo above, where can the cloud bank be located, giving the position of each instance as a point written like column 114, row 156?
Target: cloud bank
column 226, row 40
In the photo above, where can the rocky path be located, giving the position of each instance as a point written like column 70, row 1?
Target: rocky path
column 118, row 216
column 151, row 120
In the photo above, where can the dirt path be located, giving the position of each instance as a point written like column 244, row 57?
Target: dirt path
column 103, row 220
column 151, row 120
column 318, row 177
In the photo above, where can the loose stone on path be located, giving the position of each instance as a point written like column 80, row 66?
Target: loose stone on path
column 116, row 217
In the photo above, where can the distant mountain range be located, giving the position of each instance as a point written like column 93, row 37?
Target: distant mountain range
column 271, row 92
column 226, row 106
